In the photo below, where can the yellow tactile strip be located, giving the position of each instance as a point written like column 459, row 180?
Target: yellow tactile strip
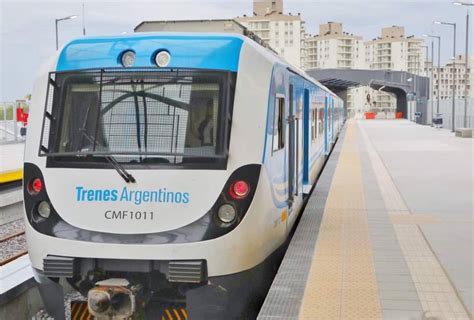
column 11, row 176
column 341, row 282
column 437, row 295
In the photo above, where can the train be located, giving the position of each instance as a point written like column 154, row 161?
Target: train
column 169, row 165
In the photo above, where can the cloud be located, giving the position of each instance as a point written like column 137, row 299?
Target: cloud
column 27, row 36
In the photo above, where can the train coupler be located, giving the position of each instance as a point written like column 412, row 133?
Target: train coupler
column 115, row 299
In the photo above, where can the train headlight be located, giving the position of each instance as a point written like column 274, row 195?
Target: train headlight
column 226, row 213
column 127, row 58
column 44, row 209
column 162, row 58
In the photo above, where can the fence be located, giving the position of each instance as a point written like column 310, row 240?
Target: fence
column 9, row 127
column 446, row 109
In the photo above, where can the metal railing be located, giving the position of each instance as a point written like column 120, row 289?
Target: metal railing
column 446, row 109
column 9, row 127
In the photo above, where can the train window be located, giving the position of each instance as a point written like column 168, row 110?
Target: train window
column 313, row 124
column 279, row 124
column 140, row 117
column 321, row 121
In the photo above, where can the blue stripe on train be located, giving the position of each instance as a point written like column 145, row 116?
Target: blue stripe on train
column 199, row 51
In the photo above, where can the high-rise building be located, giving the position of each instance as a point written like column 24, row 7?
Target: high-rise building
column 394, row 51
column 285, row 33
column 266, row 7
column 334, row 48
column 447, row 79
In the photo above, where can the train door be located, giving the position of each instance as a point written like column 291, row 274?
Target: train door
column 326, row 125
column 333, row 137
column 306, row 138
column 291, row 149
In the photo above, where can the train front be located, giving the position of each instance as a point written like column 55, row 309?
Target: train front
column 131, row 190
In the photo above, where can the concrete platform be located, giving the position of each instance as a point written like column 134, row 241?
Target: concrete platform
column 388, row 232
column 11, row 162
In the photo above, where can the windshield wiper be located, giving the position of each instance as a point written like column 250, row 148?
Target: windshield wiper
column 115, row 164
column 120, row 169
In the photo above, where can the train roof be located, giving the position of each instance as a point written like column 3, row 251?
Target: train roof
column 213, row 51
column 202, row 51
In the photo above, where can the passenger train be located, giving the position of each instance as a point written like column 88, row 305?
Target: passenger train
column 169, row 165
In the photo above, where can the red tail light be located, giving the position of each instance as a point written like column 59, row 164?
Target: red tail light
column 35, row 186
column 239, row 189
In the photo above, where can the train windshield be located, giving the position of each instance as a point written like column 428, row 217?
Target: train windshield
column 166, row 117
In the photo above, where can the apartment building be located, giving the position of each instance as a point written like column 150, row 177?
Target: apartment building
column 334, row 48
column 395, row 51
column 447, row 79
column 285, row 33
column 266, row 7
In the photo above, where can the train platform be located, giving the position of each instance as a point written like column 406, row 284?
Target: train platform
column 387, row 232
column 11, row 162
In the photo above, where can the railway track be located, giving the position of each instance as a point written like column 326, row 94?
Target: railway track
column 12, row 241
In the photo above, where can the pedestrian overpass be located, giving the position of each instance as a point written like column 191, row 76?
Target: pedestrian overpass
column 406, row 86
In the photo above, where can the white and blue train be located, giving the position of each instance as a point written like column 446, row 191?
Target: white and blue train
column 169, row 165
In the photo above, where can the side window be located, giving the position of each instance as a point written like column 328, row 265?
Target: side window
column 279, row 124
column 318, row 124
column 321, row 121
column 314, row 132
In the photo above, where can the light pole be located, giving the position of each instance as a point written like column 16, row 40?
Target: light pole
column 426, row 70
column 83, row 20
column 411, row 80
column 62, row 19
column 453, row 68
column 432, row 81
column 466, row 75
column 425, row 67
column 439, row 70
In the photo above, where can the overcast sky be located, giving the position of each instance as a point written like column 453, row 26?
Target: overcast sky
column 27, row 27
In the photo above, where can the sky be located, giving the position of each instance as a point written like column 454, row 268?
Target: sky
column 27, row 33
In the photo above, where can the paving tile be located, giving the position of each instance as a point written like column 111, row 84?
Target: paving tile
column 394, row 265
column 395, row 278
column 394, row 255
column 345, row 216
column 398, row 286
column 389, row 314
column 398, row 295
column 371, row 259
column 401, row 305
column 429, row 279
